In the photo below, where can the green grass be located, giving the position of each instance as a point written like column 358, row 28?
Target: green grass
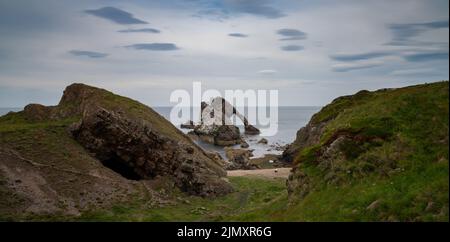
column 405, row 197
column 16, row 122
column 127, row 106
column 251, row 194
column 398, row 155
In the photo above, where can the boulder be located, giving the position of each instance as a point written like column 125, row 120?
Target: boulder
column 239, row 159
column 227, row 135
column 216, row 126
column 188, row 125
column 263, row 141
column 37, row 112
column 137, row 150
column 224, row 135
column 244, row 145
column 251, row 130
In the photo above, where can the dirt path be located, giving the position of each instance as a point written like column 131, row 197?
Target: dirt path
column 268, row 173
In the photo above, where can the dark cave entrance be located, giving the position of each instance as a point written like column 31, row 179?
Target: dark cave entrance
column 121, row 167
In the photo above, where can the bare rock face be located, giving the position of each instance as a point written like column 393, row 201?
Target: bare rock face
column 37, row 112
column 239, row 159
column 188, row 125
column 263, row 141
column 95, row 150
column 221, row 135
column 306, row 136
column 227, row 135
column 137, row 151
column 216, row 126
column 251, row 130
column 244, row 145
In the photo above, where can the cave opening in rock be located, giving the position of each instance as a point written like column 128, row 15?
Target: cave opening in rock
column 121, row 167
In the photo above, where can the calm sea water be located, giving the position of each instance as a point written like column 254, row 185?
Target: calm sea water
column 290, row 120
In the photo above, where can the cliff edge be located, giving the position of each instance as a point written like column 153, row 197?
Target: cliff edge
column 379, row 155
column 93, row 149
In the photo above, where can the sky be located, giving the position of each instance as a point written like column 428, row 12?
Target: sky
column 311, row 51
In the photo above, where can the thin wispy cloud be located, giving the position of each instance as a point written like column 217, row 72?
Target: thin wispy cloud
column 354, row 67
column 325, row 43
column 115, row 15
column 292, row 34
column 403, row 34
column 256, row 7
column 267, row 72
column 145, row 30
column 238, row 35
column 361, row 56
column 153, row 46
column 292, row 48
column 90, row 54
column 427, row 56
column 221, row 10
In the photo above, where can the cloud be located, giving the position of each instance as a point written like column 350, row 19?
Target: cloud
column 292, row 48
column 403, row 33
column 154, row 47
column 90, row 54
column 230, row 8
column 354, row 67
column 115, row 15
column 255, row 7
column 361, row 56
column 292, row 34
column 418, row 56
column 146, row 30
column 238, row 35
column 267, row 72
column 427, row 56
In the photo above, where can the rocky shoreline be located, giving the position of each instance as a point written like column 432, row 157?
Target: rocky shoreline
column 236, row 148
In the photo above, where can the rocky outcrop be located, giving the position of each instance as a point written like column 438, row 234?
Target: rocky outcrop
column 188, row 125
column 132, row 140
column 37, row 112
column 251, row 130
column 216, row 126
column 306, row 136
column 244, row 144
column 221, row 135
column 263, row 141
column 239, row 159
column 331, row 147
column 140, row 152
column 313, row 131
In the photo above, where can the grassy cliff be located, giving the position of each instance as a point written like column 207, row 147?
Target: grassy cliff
column 45, row 173
column 371, row 156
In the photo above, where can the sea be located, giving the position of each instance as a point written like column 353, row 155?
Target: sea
column 290, row 120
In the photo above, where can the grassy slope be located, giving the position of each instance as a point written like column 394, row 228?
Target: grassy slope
column 415, row 119
column 49, row 143
column 251, row 193
column 415, row 122
column 132, row 108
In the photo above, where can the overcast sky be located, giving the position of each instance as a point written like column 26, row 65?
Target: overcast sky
column 312, row 51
